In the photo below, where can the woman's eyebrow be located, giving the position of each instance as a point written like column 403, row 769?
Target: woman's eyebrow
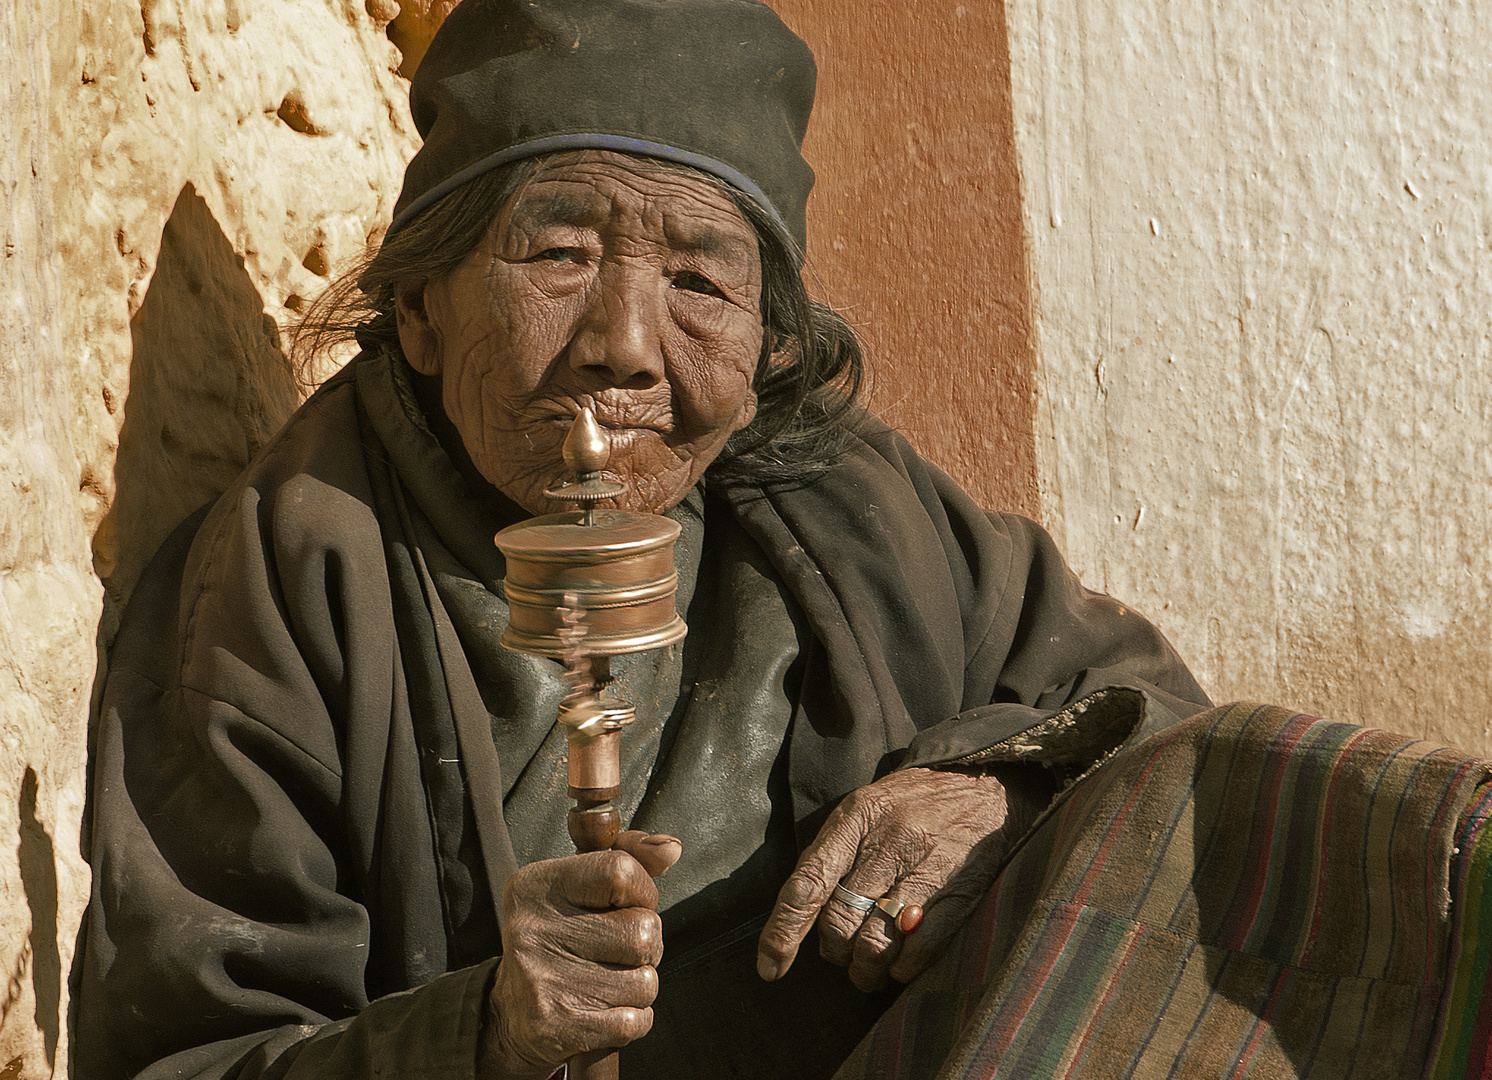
column 708, row 240
column 559, row 208
column 577, row 209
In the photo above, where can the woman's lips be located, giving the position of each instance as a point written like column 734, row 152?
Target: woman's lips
column 616, row 421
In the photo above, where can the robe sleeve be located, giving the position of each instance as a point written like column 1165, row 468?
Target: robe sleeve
column 947, row 634
column 229, row 930
column 1078, row 676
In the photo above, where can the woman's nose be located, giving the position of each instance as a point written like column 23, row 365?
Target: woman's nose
column 621, row 340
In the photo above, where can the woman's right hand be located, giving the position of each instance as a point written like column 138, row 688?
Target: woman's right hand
column 581, row 941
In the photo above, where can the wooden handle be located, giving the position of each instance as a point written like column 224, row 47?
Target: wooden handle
column 594, row 823
column 595, row 1065
column 595, row 780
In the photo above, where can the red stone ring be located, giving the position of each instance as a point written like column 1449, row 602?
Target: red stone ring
column 907, row 917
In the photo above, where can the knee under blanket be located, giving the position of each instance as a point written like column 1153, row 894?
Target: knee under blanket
column 1251, row 893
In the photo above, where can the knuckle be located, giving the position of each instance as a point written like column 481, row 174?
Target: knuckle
column 870, row 947
column 647, row 936
column 627, row 882
column 649, row 928
column 803, row 888
column 638, row 1023
column 647, row 978
column 616, row 866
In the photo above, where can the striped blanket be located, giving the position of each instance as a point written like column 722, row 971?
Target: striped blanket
column 1463, row 1040
column 1252, row 893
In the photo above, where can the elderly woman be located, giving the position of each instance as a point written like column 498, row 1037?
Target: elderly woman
column 329, row 814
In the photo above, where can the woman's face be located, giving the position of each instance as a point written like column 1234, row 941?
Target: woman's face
column 610, row 281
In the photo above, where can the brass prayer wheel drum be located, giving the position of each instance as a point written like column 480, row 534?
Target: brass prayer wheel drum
column 618, row 565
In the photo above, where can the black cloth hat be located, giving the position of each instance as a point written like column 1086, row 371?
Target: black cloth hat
column 721, row 85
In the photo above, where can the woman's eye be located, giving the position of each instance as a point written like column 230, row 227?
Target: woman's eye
column 690, row 281
column 559, row 255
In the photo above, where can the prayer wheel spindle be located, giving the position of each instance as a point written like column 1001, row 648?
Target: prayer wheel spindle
column 584, row 586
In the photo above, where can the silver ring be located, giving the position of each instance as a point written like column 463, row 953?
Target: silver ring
column 860, row 903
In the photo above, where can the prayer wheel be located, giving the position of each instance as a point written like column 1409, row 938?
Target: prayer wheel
column 584, row 586
column 615, row 565
column 618, row 566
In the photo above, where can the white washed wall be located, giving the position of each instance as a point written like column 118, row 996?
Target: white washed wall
column 1259, row 244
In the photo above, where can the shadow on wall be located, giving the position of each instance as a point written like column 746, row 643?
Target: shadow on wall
column 209, row 386
column 40, row 961
column 413, row 27
column 38, row 860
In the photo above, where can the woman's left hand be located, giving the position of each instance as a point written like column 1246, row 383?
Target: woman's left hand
column 919, row 836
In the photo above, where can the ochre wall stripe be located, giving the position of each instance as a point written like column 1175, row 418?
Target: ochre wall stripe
column 915, row 226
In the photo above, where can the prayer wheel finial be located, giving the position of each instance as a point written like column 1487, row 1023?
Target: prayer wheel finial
column 586, row 451
column 586, row 448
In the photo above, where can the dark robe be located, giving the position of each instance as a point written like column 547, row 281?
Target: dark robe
column 311, row 748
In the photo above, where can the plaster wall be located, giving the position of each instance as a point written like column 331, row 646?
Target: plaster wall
column 176, row 177
column 1259, row 256
column 49, row 603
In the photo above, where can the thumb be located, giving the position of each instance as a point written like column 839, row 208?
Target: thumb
column 656, row 852
column 604, row 881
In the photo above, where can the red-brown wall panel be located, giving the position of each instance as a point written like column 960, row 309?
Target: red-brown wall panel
column 915, row 227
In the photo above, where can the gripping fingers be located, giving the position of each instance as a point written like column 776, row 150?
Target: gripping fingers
column 627, row 939
column 606, row 1028
column 622, row 988
column 610, row 879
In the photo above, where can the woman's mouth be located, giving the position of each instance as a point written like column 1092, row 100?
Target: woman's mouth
column 622, row 421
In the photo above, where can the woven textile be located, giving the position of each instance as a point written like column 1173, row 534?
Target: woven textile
column 1464, row 1041
column 1251, row 893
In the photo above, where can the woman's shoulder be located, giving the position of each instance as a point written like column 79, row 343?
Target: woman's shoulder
column 879, row 461
column 306, row 496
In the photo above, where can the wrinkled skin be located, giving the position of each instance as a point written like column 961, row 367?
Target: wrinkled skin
column 922, row 836
column 609, row 281
column 581, row 944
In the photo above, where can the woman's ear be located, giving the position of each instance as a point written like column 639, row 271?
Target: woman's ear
column 783, row 349
column 417, row 334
